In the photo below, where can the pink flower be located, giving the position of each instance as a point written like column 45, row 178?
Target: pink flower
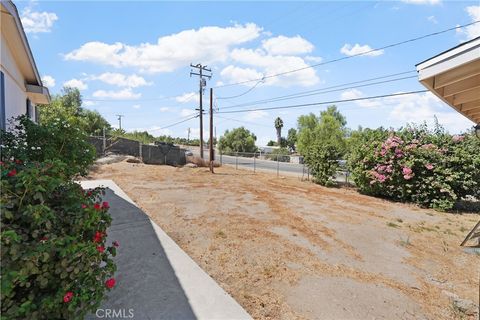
column 84, row 206
column 429, row 166
column 458, row 138
column 116, row 244
column 407, row 177
column 406, row 171
column 105, row 205
column 68, row 297
column 110, row 283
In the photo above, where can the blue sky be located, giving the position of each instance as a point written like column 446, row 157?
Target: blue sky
column 132, row 58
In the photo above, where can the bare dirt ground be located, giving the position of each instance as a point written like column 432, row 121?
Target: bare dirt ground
column 286, row 249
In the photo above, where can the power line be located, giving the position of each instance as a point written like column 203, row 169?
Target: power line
column 326, row 102
column 138, row 100
column 319, row 91
column 243, row 121
column 242, row 94
column 352, row 56
column 176, row 123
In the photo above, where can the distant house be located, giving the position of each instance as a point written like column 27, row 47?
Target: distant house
column 454, row 77
column 21, row 88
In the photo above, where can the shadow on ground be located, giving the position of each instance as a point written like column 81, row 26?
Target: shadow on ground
column 147, row 286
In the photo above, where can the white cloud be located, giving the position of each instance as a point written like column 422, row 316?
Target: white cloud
column 422, row 1
column 75, row 83
column 164, row 109
column 36, row 22
column 277, row 64
column 233, row 74
column 187, row 112
column 355, row 94
column 121, row 80
column 314, row 59
column 136, row 106
column 282, row 45
column 356, row 49
column 48, row 81
column 126, row 94
column 418, row 108
column 432, row 19
column 207, row 44
column 89, row 103
column 188, row 97
column 473, row 30
column 254, row 115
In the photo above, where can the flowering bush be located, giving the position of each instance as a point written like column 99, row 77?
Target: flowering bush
column 430, row 168
column 59, row 139
column 55, row 262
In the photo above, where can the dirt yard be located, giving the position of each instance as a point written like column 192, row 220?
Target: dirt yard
column 287, row 249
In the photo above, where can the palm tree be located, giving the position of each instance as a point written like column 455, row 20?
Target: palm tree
column 279, row 126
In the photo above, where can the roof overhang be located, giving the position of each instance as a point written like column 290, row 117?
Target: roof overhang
column 16, row 38
column 454, row 76
column 38, row 94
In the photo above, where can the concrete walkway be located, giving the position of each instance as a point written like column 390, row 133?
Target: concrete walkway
column 156, row 279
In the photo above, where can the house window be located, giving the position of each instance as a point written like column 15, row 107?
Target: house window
column 2, row 101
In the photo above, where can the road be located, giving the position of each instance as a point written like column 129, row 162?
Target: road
column 283, row 168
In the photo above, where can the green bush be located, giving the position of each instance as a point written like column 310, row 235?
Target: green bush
column 282, row 154
column 415, row 164
column 55, row 263
column 55, row 140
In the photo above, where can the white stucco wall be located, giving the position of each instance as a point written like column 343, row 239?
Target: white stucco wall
column 15, row 92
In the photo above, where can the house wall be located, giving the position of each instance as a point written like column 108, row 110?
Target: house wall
column 14, row 85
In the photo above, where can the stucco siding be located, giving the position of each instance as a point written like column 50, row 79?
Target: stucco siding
column 14, row 82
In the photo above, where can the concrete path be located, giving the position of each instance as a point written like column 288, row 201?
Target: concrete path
column 156, row 279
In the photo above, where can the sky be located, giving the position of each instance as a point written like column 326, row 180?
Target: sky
column 133, row 58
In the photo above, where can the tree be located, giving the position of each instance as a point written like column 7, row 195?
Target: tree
column 68, row 106
column 292, row 138
column 237, row 140
column 271, row 143
column 321, row 140
column 278, row 127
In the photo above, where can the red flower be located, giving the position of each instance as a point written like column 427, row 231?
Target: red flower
column 101, row 249
column 116, row 244
column 68, row 297
column 110, row 283
column 97, row 206
column 43, row 238
column 12, row 173
column 84, row 206
column 18, row 161
column 2, row 163
column 98, row 236
column 105, row 205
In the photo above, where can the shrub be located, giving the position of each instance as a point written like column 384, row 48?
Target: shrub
column 430, row 168
column 28, row 141
column 54, row 257
column 282, row 154
column 53, row 265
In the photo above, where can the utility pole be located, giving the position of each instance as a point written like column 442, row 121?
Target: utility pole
column 120, row 120
column 211, row 130
column 203, row 83
column 188, row 136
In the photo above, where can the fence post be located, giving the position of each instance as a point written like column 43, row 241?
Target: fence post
column 236, row 161
column 221, row 163
column 308, row 173
column 140, row 150
column 254, row 162
column 278, row 165
column 104, row 141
